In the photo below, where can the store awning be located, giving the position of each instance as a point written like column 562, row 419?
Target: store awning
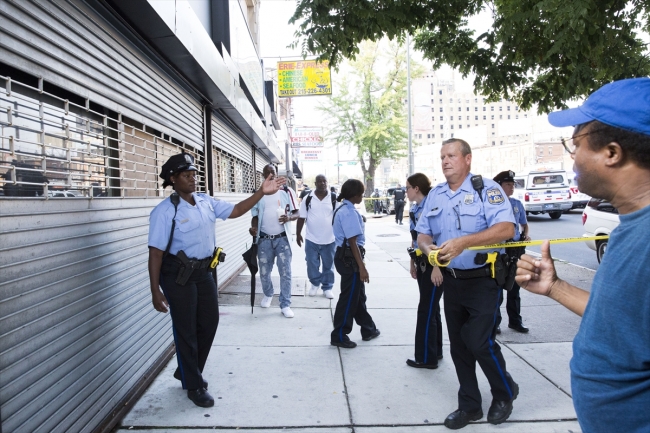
column 296, row 170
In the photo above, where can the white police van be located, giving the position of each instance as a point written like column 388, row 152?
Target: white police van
column 544, row 192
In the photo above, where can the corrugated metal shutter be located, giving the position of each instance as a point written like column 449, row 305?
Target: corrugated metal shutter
column 78, row 329
column 224, row 138
column 232, row 235
column 260, row 161
column 71, row 46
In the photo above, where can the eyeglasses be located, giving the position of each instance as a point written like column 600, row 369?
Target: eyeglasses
column 568, row 144
column 456, row 211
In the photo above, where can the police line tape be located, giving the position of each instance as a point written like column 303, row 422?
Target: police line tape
column 433, row 255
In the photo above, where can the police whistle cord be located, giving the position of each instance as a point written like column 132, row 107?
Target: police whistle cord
column 433, row 255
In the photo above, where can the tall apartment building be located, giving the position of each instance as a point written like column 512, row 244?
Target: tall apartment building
column 501, row 134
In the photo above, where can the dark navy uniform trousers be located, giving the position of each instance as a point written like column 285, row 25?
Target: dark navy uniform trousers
column 194, row 308
column 351, row 305
column 470, row 311
column 428, row 328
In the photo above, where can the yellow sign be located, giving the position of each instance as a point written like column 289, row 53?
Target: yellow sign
column 304, row 78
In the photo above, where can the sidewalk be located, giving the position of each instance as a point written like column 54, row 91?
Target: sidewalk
column 272, row 373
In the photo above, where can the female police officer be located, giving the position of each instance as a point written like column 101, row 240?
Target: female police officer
column 349, row 237
column 428, row 328
column 181, row 244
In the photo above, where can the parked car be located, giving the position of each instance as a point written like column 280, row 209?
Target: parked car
column 599, row 218
column 57, row 194
column 579, row 199
column 544, row 192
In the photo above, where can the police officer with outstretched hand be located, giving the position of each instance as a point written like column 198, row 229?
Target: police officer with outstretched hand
column 181, row 255
column 463, row 212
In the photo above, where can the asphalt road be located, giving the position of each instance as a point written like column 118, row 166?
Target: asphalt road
column 569, row 225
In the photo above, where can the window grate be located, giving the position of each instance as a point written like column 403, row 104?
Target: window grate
column 51, row 147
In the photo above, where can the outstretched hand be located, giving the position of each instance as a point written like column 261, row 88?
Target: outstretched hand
column 272, row 184
column 537, row 275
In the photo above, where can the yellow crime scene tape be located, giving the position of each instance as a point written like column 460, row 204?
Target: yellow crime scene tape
column 433, row 255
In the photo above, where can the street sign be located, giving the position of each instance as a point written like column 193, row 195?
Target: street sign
column 352, row 162
column 338, row 165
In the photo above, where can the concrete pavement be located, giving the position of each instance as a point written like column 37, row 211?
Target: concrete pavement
column 270, row 373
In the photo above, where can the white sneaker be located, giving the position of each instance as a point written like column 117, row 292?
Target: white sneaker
column 266, row 301
column 328, row 294
column 314, row 290
column 287, row 312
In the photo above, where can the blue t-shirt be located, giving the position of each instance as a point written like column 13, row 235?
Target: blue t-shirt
column 348, row 223
column 194, row 230
column 610, row 369
column 520, row 215
column 448, row 215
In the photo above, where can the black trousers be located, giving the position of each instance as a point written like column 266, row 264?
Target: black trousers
column 513, row 306
column 194, row 309
column 471, row 310
column 351, row 305
column 428, row 329
column 399, row 210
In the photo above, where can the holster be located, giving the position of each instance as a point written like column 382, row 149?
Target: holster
column 344, row 253
column 513, row 254
column 186, row 269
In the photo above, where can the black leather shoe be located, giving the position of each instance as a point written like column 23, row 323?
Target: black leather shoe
column 375, row 334
column 440, row 357
column 501, row 410
column 417, row 364
column 498, row 329
column 344, row 344
column 519, row 328
column 200, row 397
column 177, row 375
column 460, row 418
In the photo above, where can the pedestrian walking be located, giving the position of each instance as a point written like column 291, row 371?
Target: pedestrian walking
column 463, row 212
column 271, row 227
column 376, row 202
column 428, row 327
column 316, row 212
column 181, row 250
column 349, row 233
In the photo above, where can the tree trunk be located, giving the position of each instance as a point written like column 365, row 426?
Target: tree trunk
column 369, row 176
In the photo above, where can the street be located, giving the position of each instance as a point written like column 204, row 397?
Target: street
column 568, row 226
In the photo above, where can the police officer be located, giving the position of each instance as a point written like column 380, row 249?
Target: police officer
column 181, row 247
column 399, row 196
column 513, row 304
column 349, row 237
column 469, row 211
column 428, row 328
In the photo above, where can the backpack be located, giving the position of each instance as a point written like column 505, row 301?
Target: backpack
column 308, row 201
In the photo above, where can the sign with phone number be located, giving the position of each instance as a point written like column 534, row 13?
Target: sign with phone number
column 304, row 78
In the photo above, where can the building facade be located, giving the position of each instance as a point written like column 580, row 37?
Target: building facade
column 98, row 94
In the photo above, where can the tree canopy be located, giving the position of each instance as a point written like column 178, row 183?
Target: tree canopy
column 542, row 52
column 368, row 112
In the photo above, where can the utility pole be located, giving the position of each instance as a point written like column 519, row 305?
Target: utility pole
column 338, row 166
column 408, row 99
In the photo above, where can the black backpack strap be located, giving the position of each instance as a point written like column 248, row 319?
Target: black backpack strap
column 308, row 202
column 333, row 195
column 175, row 199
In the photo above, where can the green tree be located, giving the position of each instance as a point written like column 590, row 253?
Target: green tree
column 368, row 112
column 542, row 52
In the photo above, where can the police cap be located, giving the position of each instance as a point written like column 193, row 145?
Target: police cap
column 505, row 176
column 176, row 164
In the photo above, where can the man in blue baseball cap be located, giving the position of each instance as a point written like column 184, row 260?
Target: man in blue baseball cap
column 610, row 369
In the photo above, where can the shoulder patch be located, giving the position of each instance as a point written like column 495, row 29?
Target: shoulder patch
column 495, row 196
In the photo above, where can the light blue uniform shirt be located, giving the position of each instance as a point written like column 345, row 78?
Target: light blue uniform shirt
column 448, row 215
column 416, row 209
column 348, row 223
column 520, row 215
column 194, row 230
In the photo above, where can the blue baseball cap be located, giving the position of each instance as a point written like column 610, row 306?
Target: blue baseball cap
column 624, row 104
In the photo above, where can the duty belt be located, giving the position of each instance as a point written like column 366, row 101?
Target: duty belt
column 192, row 263
column 265, row 236
column 466, row 274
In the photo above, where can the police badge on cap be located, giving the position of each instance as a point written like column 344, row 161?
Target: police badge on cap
column 505, row 176
column 176, row 164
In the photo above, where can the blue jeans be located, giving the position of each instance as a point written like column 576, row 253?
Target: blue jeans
column 314, row 255
column 267, row 251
